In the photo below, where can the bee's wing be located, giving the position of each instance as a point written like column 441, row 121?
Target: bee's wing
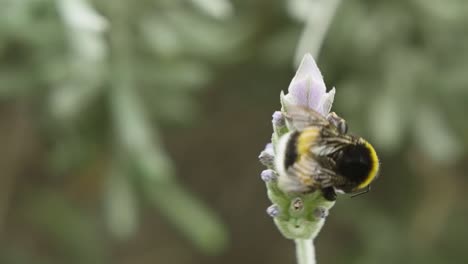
column 331, row 142
column 309, row 172
column 301, row 117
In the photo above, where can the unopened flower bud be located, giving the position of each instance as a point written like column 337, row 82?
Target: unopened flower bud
column 267, row 156
column 320, row 212
column 273, row 210
column 278, row 119
column 268, row 175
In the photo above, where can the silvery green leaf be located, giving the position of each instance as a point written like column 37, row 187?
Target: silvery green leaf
column 69, row 229
column 188, row 214
column 279, row 48
column 137, row 137
column 318, row 15
column 202, row 37
column 300, row 9
column 69, row 100
column 120, row 203
column 79, row 14
column 387, row 120
column 85, row 29
column 87, row 52
column 161, row 36
column 434, row 136
column 447, row 11
column 172, row 77
column 220, row 9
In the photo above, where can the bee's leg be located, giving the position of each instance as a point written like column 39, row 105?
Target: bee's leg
column 329, row 194
column 301, row 119
column 324, row 176
column 338, row 122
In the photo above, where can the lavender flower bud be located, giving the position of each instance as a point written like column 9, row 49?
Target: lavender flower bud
column 268, row 175
column 278, row 119
column 320, row 212
column 267, row 156
column 273, row 210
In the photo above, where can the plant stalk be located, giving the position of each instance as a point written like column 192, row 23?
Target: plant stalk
column 305, row 251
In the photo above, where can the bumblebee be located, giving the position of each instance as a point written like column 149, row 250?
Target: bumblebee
column 318, row 154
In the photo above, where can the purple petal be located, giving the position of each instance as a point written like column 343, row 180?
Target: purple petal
column 307, row 68
column 326, row 102
column 298, row 92
column 307, row 87
column 306, row 93
column 316, row 93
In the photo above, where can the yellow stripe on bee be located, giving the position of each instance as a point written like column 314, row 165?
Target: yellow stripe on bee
column 303, row 177
column 307, row 181
column 302, row 170
column 306, row 139
column 375, row 166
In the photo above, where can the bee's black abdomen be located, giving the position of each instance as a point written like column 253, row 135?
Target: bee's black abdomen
column 329, row 194
column 291, row 150
column 355, row 163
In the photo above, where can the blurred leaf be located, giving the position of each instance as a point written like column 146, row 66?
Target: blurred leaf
column 193, row 219
column 434, row 137
column 70, row 152
column 135, row 136
column 280, row 47
column 85, row 30
column 161, row 36
column 70, row 100
column 178, row 109
column 203, row 38
column 120, row 203
column 219, row 9
column 174, row 77
column 388, row 118
column 71, row 230
column 14, row 254
column 319, row 15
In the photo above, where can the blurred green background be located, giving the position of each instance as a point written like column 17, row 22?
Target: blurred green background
column 130, row 130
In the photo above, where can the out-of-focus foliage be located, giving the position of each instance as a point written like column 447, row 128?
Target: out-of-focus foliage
column 98, row 76
column 95, row 94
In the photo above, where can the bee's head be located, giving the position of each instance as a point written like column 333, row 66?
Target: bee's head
column 358, row 164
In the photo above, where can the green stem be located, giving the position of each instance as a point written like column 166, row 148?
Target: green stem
column 305, row 251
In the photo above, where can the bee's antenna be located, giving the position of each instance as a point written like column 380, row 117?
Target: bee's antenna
column 363, row 192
